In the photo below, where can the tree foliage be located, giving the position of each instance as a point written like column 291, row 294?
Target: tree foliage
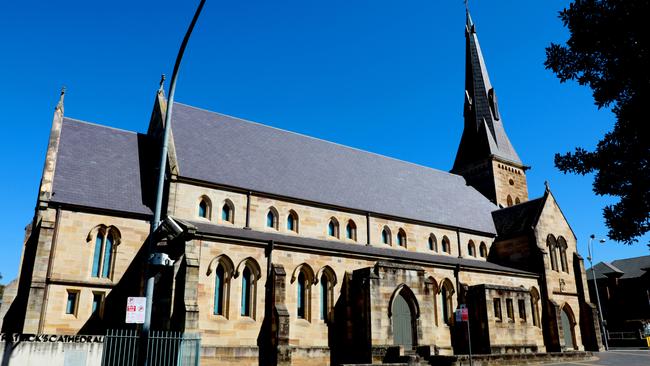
column 608, row 50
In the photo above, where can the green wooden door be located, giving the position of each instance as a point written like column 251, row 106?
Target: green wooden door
column 402, row 323
column 568, row 330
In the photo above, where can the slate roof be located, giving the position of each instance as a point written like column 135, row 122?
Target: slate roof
column 101, row 167
column 379, row 251
column 233, row 152
column 516, row 220
column 483, row 134
column 626, row 268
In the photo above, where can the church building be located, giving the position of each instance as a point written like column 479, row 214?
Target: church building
column 286, row 249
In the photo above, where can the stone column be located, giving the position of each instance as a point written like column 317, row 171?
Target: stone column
column 281, row 324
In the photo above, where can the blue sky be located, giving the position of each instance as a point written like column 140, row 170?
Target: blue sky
column 383, row 76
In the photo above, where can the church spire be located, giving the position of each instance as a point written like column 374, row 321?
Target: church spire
column 483, row 135
column 485, row 157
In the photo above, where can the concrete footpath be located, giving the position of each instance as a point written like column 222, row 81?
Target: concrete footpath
column 614, row 357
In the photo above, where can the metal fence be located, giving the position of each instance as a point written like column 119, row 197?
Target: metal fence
column 165, row 348
column 624, row 335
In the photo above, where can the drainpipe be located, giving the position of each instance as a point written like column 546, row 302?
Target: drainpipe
column 367, row 228
column 248, row 211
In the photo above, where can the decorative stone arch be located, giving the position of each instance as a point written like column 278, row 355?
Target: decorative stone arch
column 227, row 203
column 509, row 201
column 447, row 296
column 404, row 315
column 568, row 322
column 204, row 200
column 99, row 236
column 105, row 230
column 225, row 261
column 333, row 227
column 517, row 201
column 328, row 271
column 275, row 220
column 252, row 264
column 309, row 273
column 406, row 292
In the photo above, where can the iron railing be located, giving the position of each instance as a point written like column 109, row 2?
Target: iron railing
column 165, row 348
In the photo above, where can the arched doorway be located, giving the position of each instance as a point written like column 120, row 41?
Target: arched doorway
column 403, row 316
column 568, row 324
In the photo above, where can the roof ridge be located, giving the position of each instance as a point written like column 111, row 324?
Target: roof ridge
column 98, row 125
column 322, row 140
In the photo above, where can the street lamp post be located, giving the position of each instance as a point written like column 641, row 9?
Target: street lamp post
column 149, row 284
column 593, row 275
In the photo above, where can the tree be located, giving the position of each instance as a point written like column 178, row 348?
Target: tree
column 608, row 50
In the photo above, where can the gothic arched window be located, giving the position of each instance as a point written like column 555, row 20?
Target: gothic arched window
column 327, row 282
column 105, row 242
column 219, row 290
column 483, row 250
column 433, row 243
column 204, row 209
column 385, row 235
column 292, row 221
column 552, row 247
column 471, row 249
column 302, row 296
column 562, row 246
column 351, row 230
column 333, row 228
column 446, row 245
column 272, row 219
column 227, row 212
column 446, row 294
column 222, row 274
column 246, row 292
column 401, row 238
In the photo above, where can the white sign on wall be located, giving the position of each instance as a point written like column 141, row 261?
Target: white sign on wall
column 135, row 308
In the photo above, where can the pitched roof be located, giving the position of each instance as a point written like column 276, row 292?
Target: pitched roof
column 483, row 134
column 624, row 268
column 224, row 150
column 101, row 167
column 377, row 251
column 516, row 220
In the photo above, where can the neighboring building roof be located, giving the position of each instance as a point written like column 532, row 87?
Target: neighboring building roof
column 380, row 250
column 101, row 167
column 623, row 268
column 518, row 219
column 224, row 150
column 483, row 135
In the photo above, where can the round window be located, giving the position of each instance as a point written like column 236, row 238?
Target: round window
column 512, row 182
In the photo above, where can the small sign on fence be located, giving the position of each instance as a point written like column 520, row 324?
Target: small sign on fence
column 135, row 308
column 462, row 315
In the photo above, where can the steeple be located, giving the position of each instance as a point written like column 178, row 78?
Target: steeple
column 484, row 145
